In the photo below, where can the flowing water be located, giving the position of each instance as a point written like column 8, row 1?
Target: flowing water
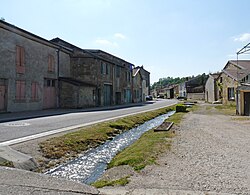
column 90, row 166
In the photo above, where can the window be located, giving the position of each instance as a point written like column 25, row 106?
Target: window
column 51, row 65
column 34, row 91
column 118, row 71
column 221, row 80
column 231, row 93
column 105, row 68
column 128, row 76
column 49, row 82
column 20, row 90
column 20, row 60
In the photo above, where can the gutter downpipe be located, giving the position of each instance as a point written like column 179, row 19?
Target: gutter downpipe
column 237, row 92
column 58, row 75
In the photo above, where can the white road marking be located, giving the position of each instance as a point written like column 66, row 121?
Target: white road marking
column 39, row 135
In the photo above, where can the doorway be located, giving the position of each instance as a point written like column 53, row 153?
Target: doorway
column 247, row 103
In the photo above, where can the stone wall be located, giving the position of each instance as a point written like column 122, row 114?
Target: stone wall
column 73, row 96
column 36, row 54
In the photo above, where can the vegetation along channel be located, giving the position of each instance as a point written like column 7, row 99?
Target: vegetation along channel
column 90, row 166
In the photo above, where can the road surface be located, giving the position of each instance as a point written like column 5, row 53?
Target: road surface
column 24, row 130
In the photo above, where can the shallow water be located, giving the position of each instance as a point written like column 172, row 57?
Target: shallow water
column 89, row 167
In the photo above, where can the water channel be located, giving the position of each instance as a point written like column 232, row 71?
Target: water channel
column 90, row 166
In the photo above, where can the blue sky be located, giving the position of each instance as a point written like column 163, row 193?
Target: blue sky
column 170, row 38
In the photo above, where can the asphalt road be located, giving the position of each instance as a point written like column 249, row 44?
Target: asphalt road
column 23, row 130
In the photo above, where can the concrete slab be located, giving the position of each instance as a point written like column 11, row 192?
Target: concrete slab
column 19, row 160
column 154, row 191
column 21, row 182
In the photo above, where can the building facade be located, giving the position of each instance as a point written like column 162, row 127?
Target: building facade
column 29, row 70
column 229, row 79
column 39, row 74
column 109, row 76
column 211, row 88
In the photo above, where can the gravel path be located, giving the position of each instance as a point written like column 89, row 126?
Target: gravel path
column 211, row 152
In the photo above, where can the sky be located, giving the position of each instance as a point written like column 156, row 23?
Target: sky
column 175, row 38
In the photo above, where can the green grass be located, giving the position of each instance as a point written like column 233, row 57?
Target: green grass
column 146, row 149
column 6, row 163
column 83, row 139
column 227, row 109
column 120, row 182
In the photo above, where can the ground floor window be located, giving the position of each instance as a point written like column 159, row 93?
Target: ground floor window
column 231, row 93
column 20, row 90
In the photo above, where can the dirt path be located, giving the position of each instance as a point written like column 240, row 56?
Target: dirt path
column 211, row 152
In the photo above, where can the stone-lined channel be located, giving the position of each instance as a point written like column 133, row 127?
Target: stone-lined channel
column 92, row 164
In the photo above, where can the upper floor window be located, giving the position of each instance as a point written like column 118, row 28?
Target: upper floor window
column 128, row 76
column 105, row 68
column 51, row 65
column 20, row 59
column 118, row 71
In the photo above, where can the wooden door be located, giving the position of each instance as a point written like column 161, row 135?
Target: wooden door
column 2, row 97
column 49, row 94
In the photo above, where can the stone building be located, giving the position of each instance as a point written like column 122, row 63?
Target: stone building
column 109, row 76
column 211, row 88
column 29, row 70
column 141, row 84
column 195, row 87
column 230, row 78
column 137, row 86
column 38, row 74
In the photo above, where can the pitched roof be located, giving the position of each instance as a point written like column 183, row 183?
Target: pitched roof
column 93, row 52
column 243, row 69
column 14, row 29
column 215, row 75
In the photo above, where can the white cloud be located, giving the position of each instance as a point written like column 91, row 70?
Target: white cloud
column 245, row 37
column 105, row 42
column 119, row 36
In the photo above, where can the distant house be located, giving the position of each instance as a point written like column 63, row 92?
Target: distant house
column 230, row 77
column 172, row 91
column 182, row 89
column 196, row 87
column 145, row 84
column 211, row 88
column 137, row 86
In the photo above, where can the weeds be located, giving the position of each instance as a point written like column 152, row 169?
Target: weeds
column 120, row 182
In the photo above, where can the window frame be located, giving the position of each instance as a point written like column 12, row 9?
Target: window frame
column 230, row 94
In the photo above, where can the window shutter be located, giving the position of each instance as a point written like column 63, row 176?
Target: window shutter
column 18, row 57
column 22, row 89
column 51, row 65
column 22, row 56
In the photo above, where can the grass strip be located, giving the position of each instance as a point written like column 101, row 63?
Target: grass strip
column 146, row 149
column 227, row 109
column 73, row 143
